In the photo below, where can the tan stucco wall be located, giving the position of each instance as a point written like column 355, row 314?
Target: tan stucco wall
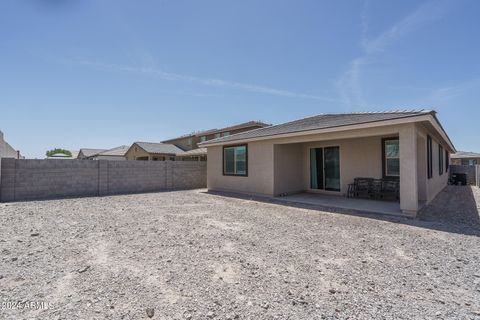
column 361, row 157
column 288, row 169
column 260, row 171
column 135, row 152
column 438, row 182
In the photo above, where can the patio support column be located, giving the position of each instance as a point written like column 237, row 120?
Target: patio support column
column 408, row 170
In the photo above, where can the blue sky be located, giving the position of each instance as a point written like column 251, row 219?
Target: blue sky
column 89, row 73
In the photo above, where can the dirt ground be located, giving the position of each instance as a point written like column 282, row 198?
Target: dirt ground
column 194, row 255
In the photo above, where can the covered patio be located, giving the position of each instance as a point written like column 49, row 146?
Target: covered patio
column 321, row 169
column 340, row 202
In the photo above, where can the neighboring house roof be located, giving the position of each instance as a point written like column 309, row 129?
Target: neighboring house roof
column 322, row 121
column 465, row 155
column 159, row 148
column 90, row 152
column 213, row 131
column 118, row 151
column 232, row 128
column 10, row 152
column 59, row 155
column 194, row 152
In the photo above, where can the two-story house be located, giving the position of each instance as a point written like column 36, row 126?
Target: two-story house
column 189, row 143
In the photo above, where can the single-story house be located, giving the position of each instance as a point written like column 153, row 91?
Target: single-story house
column 199, row 154
column 64, row 156
column 117, row 154
column 88, row 154
column 324, row 154
column 463, row 158
column 152, row 151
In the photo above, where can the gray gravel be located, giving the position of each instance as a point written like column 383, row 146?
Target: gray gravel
column 192, row 255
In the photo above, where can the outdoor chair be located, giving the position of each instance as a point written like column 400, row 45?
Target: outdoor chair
column 390, row 189
column 361, row 187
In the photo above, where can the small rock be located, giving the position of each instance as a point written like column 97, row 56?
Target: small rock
column 36, row 234
column 150, row 312
column 210, row 315
column 332, row 291
column 84, row 269
column 14, row 259
column 188, row 316
column 265, row 305
column 1, row 277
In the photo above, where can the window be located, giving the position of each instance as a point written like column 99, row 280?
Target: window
column 217, row 135
column 235, row 161
column 440, row 160
column 447, row 161
column 189, row 141
column 429, row 158
column 225, row 134
column 391, row 157
column 469, row 162
column 325, row 168
column 203, row 138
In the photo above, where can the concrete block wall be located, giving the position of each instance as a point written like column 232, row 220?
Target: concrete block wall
column 136, row 176
column 51, row 178
column 471, row 172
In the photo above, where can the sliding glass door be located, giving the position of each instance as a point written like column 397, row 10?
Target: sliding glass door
column 325, row 168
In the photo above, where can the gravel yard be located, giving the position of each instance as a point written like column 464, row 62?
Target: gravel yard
column 193, row 255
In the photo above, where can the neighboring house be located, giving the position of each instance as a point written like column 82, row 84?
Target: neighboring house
column 325, row 153
column 199, row 154
column 7, row 151
column 89, row 154
column 117, row 153
column 191, row 141
column 152, row 151
column 463, row 158
column 64, row 156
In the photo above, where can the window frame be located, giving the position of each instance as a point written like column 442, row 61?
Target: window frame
column 384, row 157
column 246, row 161
column 440, row 159
column 447, row 161
column 429, row 157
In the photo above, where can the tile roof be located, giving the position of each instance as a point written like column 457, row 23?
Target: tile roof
column 322, row 121
column 159, row 148
column 118, row 151
column 464, row 154
column 194, row 152
column 212, row 131
column 91, row 152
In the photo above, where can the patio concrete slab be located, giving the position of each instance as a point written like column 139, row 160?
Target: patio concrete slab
column 332, row 201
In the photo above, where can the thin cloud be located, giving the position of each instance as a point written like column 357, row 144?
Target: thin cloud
column 445, row 93
column 349, row 83
column 211, row 82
